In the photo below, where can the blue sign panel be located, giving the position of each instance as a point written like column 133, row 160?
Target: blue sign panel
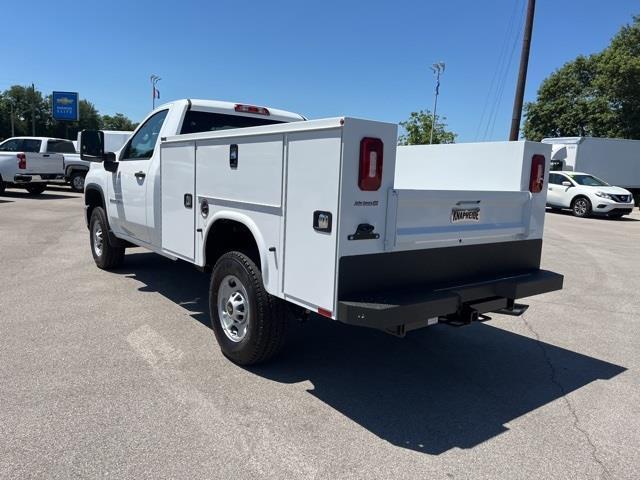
column 65, row 106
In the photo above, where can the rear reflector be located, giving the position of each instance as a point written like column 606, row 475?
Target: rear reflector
column 324, row 312
column 251, row 109
column 22, row 161
column 536, row 180
column 370, row 174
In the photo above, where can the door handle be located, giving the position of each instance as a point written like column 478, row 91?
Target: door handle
column 46, row 155
column 140, row 174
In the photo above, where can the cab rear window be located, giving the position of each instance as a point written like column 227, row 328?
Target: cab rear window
column 196, row 122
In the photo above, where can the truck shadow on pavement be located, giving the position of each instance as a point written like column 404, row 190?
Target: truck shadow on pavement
column 46, row 195
column 437, row 389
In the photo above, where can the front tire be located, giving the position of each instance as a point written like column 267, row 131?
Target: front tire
column 249, row 323
column 581, row 207
column 36, row 188
column 3, row 186
column 106, row 255
column 76, row 182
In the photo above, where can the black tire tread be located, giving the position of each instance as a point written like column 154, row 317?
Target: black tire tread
column 36, row 188
column 270, row 323
column 112, row 257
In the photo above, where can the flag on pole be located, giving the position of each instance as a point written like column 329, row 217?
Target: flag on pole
column 156, row 92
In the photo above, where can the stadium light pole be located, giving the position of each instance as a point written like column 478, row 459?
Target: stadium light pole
column 438, row 69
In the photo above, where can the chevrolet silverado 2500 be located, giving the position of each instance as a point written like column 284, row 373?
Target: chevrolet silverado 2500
column 326, row 216
column 31, row 162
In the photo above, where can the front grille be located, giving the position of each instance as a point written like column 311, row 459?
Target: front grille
column 621, row 198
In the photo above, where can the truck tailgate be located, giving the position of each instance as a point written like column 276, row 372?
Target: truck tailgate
column 44, row 163
column 439, row 218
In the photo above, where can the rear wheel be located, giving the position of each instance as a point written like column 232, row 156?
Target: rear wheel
column 3, row 186
column 106, row 255
column 36, row 188
column 248, row 322
column 581, row 207
column 77, row 181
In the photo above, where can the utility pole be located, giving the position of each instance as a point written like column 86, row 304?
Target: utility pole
column 33, row 110
column 522, row 75
column 154, row 81
column 13, row 127
column 438, row 68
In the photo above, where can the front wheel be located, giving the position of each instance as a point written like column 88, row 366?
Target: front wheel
column 248, row 322
column 106, row 255
column 36, row 188
column 3, row 186
column 77, row 181
column 581, row 207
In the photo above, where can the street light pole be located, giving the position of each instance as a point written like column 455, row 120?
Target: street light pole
column 154, row 81
column 522, row 75
column 437, row 68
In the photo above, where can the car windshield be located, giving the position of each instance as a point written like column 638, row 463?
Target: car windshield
column 588, row 181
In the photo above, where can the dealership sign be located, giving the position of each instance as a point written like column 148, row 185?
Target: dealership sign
column 64, row 106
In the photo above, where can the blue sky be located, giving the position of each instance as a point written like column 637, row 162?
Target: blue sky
column 365, row 59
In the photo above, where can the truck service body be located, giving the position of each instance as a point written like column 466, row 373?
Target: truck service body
column 327, row 216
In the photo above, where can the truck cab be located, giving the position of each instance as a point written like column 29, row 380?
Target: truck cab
column 133, row 189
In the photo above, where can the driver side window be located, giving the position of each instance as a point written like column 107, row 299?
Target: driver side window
column 144, row 141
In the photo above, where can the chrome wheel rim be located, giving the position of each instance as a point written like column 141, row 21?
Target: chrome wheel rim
column 78, row 182
column 98, row 240
column 581, row 207
column 233, row 308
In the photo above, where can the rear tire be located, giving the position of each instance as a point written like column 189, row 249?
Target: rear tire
column 106, row 255
column 3, row 186
column 76, row 182
column 36, row 188
column 249, row 323
column 581, row 207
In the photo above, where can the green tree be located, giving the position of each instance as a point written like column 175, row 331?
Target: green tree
column 418, row 129
column 27, row 103
column 118, row 121
column 598, row 95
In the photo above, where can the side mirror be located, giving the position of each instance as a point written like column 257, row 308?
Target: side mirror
column 567, row 183
column 92, row 145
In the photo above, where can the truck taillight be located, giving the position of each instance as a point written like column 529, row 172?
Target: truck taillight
column 22, row 161
column 370, row 175
column 251, row 109
column 536, row 180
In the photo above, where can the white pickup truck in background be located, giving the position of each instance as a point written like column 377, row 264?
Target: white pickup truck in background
column 75, row 169
column 31, row 162
column 326, row 216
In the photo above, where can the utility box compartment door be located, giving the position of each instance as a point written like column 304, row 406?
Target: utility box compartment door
column 177, row 173
column 313, row 180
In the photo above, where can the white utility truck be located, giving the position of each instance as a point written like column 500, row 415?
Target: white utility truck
column 294, row 216
column 31, row 162
column 614, row 160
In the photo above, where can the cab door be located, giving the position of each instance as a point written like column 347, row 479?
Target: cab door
column 128, row 202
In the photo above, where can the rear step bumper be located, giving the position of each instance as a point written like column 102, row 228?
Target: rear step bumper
column 387, row 310
column 34, row 177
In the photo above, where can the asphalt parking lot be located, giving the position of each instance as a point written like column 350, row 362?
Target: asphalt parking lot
column 118, row 375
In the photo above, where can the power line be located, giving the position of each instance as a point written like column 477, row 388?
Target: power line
column 499, row 65
column 502, row 78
